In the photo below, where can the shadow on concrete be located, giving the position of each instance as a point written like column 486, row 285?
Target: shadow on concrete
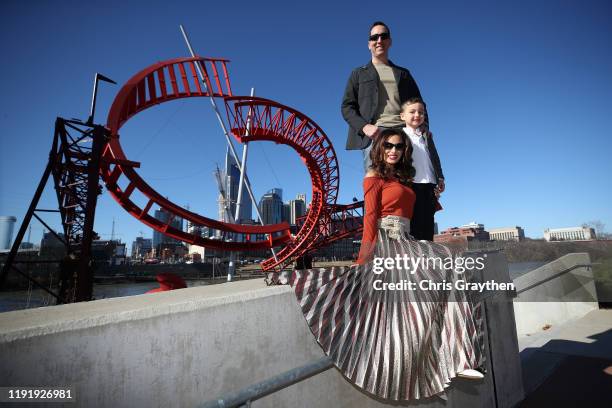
column 604, row 293
column 567, row 373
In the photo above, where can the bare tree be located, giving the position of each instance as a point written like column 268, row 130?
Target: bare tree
column 599, row 228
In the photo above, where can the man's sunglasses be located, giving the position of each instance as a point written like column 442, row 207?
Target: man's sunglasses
column 398, row 146
column 382, row 36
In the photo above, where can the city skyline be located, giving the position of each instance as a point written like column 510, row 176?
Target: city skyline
column 295, row 209
column 519, row 111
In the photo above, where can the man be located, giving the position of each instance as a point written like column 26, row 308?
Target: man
column 374, row 94
column 372, row 102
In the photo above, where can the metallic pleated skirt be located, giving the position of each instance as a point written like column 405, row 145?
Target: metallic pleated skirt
column 395, row 344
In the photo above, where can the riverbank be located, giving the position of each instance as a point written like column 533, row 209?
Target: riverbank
column 33, row 298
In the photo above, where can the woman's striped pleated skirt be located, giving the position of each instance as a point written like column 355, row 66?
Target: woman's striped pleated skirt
column 397, row 344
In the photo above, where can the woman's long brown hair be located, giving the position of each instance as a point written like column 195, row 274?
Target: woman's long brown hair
column 402, row 170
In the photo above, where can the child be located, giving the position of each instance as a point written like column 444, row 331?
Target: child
column 428, row 179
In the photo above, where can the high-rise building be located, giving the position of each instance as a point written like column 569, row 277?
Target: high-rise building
column 278, row 192
column 207, row 232
column 231, row 183
column 26, row 245
column 51, row 246
column 271, row 207
column 222, row 211
column 161, row 240
column 198, row 253
column 141, row 248
column 7, row 223
column 298, row 208
column 194, row 229
column 286, row 217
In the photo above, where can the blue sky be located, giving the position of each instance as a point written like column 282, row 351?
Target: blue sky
column 518, row 95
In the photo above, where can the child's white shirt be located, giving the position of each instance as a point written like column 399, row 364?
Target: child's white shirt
column 420, row 157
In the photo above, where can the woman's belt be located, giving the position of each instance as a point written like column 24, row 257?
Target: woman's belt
column 395, row 226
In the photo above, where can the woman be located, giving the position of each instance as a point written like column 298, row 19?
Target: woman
column 384, row 333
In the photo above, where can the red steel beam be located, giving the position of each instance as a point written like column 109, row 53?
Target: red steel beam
column 270, row 121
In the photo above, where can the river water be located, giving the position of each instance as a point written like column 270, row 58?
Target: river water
column 24, row 299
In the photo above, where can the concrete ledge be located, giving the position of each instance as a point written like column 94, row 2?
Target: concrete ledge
column 47, row 320
column 177, row 348
column 188, row 346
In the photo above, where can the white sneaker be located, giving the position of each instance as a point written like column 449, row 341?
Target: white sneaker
column 470, row 374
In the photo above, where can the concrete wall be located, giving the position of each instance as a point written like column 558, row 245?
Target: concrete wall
column 188, row 346
column 555, row 293
column 503, row 360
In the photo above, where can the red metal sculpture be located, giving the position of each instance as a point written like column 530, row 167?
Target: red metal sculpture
column 267, row 120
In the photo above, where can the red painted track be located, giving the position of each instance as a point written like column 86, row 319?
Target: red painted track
column 269, row 121
column 272, row 121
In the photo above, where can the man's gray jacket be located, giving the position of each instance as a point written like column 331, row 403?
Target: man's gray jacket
column 360, row 101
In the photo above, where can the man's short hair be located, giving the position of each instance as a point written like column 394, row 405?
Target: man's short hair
column 377, row 23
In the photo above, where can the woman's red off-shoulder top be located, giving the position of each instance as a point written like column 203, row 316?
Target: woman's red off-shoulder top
column 381, row 198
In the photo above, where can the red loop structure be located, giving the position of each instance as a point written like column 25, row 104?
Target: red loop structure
column 250, row 119
column 255, row 119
